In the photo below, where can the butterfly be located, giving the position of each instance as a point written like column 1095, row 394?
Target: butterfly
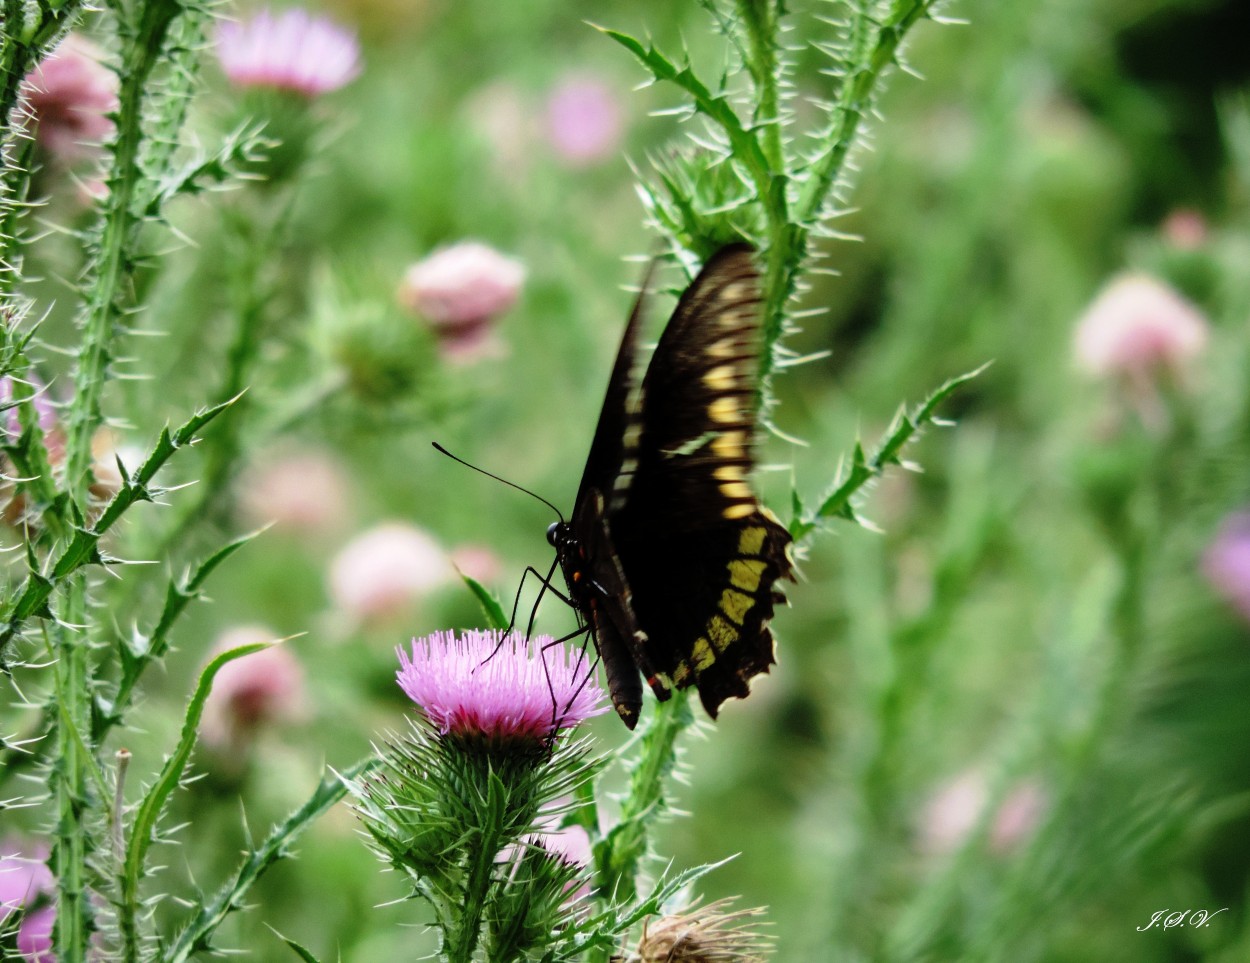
column 668, row 556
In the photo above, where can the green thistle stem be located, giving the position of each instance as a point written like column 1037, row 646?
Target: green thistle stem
column 854, row 98
column 618, row 856
column 113, row 259
column 69, row 780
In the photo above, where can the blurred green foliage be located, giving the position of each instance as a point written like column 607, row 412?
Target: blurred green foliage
column 1033, row 615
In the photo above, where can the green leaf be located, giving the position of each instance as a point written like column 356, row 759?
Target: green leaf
column 83, row 544
column 136, row 658
column 864, row 467
column 496, row 618
column 296, row 948
column 198, row 933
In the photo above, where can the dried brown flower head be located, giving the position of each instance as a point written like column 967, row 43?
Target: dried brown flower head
column 708, row 934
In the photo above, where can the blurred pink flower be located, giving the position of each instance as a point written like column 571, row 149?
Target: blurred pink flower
column 484, row 688
column 1226, row 563
column 478, row 562
column 251, row 692
column 302, row 492
column 1018, row 816
column 291, row 50
column 570, row 844
column 24, row 879
column 584, row 120
column 952, row 812
column 1185, row 228
column 460, row 291
column 382, row 571
column 1138, row 328
column 959, row 805
column 71, row 94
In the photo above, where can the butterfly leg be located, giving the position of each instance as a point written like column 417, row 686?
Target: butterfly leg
column 556, row 711
column 516, row 603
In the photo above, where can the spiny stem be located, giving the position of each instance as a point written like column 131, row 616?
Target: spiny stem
column 112, row 262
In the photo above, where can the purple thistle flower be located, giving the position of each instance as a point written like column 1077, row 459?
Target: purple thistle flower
column 291, row 50
column 483, row 686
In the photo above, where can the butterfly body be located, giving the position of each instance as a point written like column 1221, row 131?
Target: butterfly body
column 669, row 557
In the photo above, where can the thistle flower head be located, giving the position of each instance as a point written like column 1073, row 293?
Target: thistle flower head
column 303, row 492
column 382, row 571
column 71, row 94
column 709, row 934
column 292, row 51
column 1138, row 328
column 24, row 883
column 487, row 688
column 251, row 692
column 460, row 291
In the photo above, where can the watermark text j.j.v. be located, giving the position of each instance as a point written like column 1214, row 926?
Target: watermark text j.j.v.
column 1166, row 919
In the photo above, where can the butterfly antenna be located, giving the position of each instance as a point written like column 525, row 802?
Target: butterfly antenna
column 466, row 464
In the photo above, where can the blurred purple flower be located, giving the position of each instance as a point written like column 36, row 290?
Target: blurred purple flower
column 460, row 291
column 382, row 571
column 291, row 50
column 1138, row 328
column 500, row 691
column 44, row 409
column 1226, row 563
column 71, row 94
column 251, row 692
column 23, row 880
column 584, row 120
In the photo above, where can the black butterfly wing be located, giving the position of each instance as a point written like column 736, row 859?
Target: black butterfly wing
column 607, row 448
column 698, row 551
column 588, row 559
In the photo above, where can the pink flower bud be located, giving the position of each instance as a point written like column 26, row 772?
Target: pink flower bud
column 381, row 572
column 71, row 94
column 460, row 291
column 292, row 51
column 584, row 120
column 1226, row 563
column 1139, row 328
column 251, row 692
